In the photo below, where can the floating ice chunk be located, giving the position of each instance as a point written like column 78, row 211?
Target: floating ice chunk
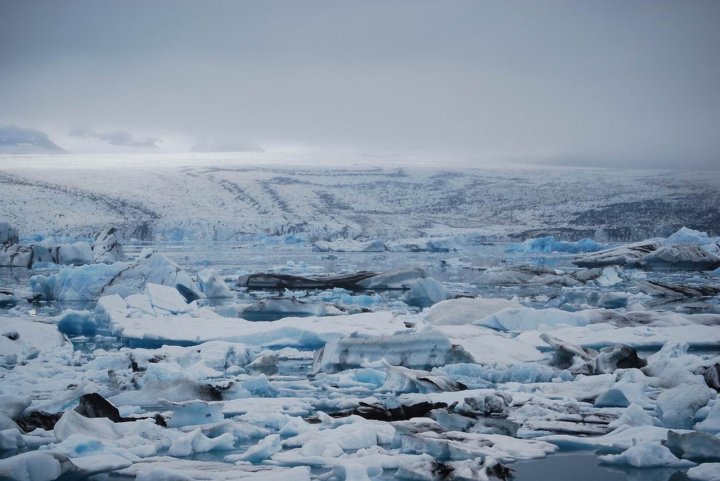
column 307, row 333
column 403, row 380
column 623, row 437
column 646, row 455
column 79, row 284
column 426, row 436
column 16, row 255
column 350, row 245
column 526, row 318
column 259, row 452
column 138, row 305
column 550, row 244
column 163, row 474
column 24, row 339
column 397, row 279
column 628, row 254
column 77, row 254
column 465, row 310
column 487, row 346
column 75, row 323
column 165, row 298
column 35, row 466
column 681, row 256
column 112, row 308
column 8, row 234
column 676, row 407
column 705, row 472
column 634, row 415
column 688, row 236
column 436, row 244
column 13, row 405
column 426, row 292
column 419, row 350
column 72, row 423
column 357, row 434
column 695, row 446
column 212, row 285
column 356, row 472
column 610, row 277
column 271, row 309
column 175, row 389
column 711, row 423
column 525, row 373
column 196, row 442
column 192, row 413
column 106, row 248
column 89, row 282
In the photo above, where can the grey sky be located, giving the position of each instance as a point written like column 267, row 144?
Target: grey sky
column 602, row 82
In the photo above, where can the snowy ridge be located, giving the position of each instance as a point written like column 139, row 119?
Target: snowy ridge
column 222, row 198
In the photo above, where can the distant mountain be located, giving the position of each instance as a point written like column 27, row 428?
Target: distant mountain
column 118, row 137
column 16, row 140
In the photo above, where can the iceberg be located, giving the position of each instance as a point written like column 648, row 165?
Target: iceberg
column 676, row 407
column 646, row 455
column 212, row 285
column 349, row 245
column 414, row 350
column 90, row 282
column 550, row 244
column 8, row 234
column 425, row 293
column 626, row 255
column 465, row 310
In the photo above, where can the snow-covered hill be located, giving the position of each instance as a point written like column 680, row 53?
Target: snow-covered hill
column 222, row 196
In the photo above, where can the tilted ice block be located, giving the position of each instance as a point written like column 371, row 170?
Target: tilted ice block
column 465, row 310
column 106, row 248
column 8, row 234
column 419, row 350
column 112, row 308
column 89, row 282
column 426, row 292
column 165, row 298
column 212, row 285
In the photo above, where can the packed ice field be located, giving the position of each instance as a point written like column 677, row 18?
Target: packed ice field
column 278, row 357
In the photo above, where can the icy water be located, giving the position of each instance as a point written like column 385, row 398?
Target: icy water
column 462, row 272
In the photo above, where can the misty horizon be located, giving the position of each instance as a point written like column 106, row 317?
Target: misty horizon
column 586, row 83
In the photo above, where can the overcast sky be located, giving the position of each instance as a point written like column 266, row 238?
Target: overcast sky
column 600, row 82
